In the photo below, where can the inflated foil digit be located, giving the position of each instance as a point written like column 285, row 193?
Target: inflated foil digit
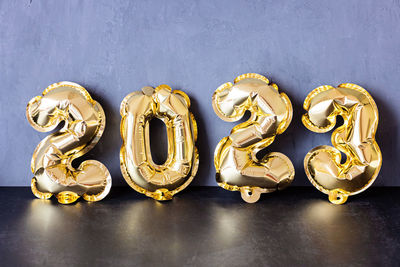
column 163, row 181
column 84, row 122
column 236, row 163
column 355, row 138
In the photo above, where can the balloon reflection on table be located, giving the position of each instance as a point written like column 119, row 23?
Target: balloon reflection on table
column 199, row 226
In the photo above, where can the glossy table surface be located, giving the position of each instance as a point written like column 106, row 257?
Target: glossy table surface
column 201, row 226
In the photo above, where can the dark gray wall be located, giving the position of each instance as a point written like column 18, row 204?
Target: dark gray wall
column 115, row 47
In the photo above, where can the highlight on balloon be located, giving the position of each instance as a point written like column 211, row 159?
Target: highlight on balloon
column 237, row 166
column 84, row 122
column 355, row 139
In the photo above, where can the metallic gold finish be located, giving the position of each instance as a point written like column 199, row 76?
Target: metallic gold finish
column 355, row 138
column 67, row 197
column 160, row 182
column 51, row 162
column 37, row 193
column 237, row 166
column 338, row 196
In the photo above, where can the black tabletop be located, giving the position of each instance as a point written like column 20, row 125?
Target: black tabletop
column 201, row 226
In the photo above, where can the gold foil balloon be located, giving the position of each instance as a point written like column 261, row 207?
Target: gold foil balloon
column 237, row 166
column 160, row 182
column 355, row 138
column 51, row 162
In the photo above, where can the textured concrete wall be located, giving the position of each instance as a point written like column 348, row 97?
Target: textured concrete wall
column 115, row 47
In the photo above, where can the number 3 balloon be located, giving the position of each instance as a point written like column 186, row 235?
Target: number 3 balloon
column 160, row 182
column 237, row 166
column 51, row 162
column 355, row 138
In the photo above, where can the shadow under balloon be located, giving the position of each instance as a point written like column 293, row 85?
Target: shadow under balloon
column 387, row 137
column 206, row 159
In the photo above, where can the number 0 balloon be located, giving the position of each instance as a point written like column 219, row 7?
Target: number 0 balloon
column 51, row 162
column 355, row 138
column 160, row 182
column 237, row 166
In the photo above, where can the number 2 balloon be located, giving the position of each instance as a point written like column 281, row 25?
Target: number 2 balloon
column 51, row 162
column 237, row 166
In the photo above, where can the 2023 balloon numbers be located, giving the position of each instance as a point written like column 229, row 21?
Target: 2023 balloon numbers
column 235, row 159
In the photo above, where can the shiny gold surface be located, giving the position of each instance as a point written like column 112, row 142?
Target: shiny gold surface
column 237, row 166
column 84, row 123
column 160, row 182
column 355, row 138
